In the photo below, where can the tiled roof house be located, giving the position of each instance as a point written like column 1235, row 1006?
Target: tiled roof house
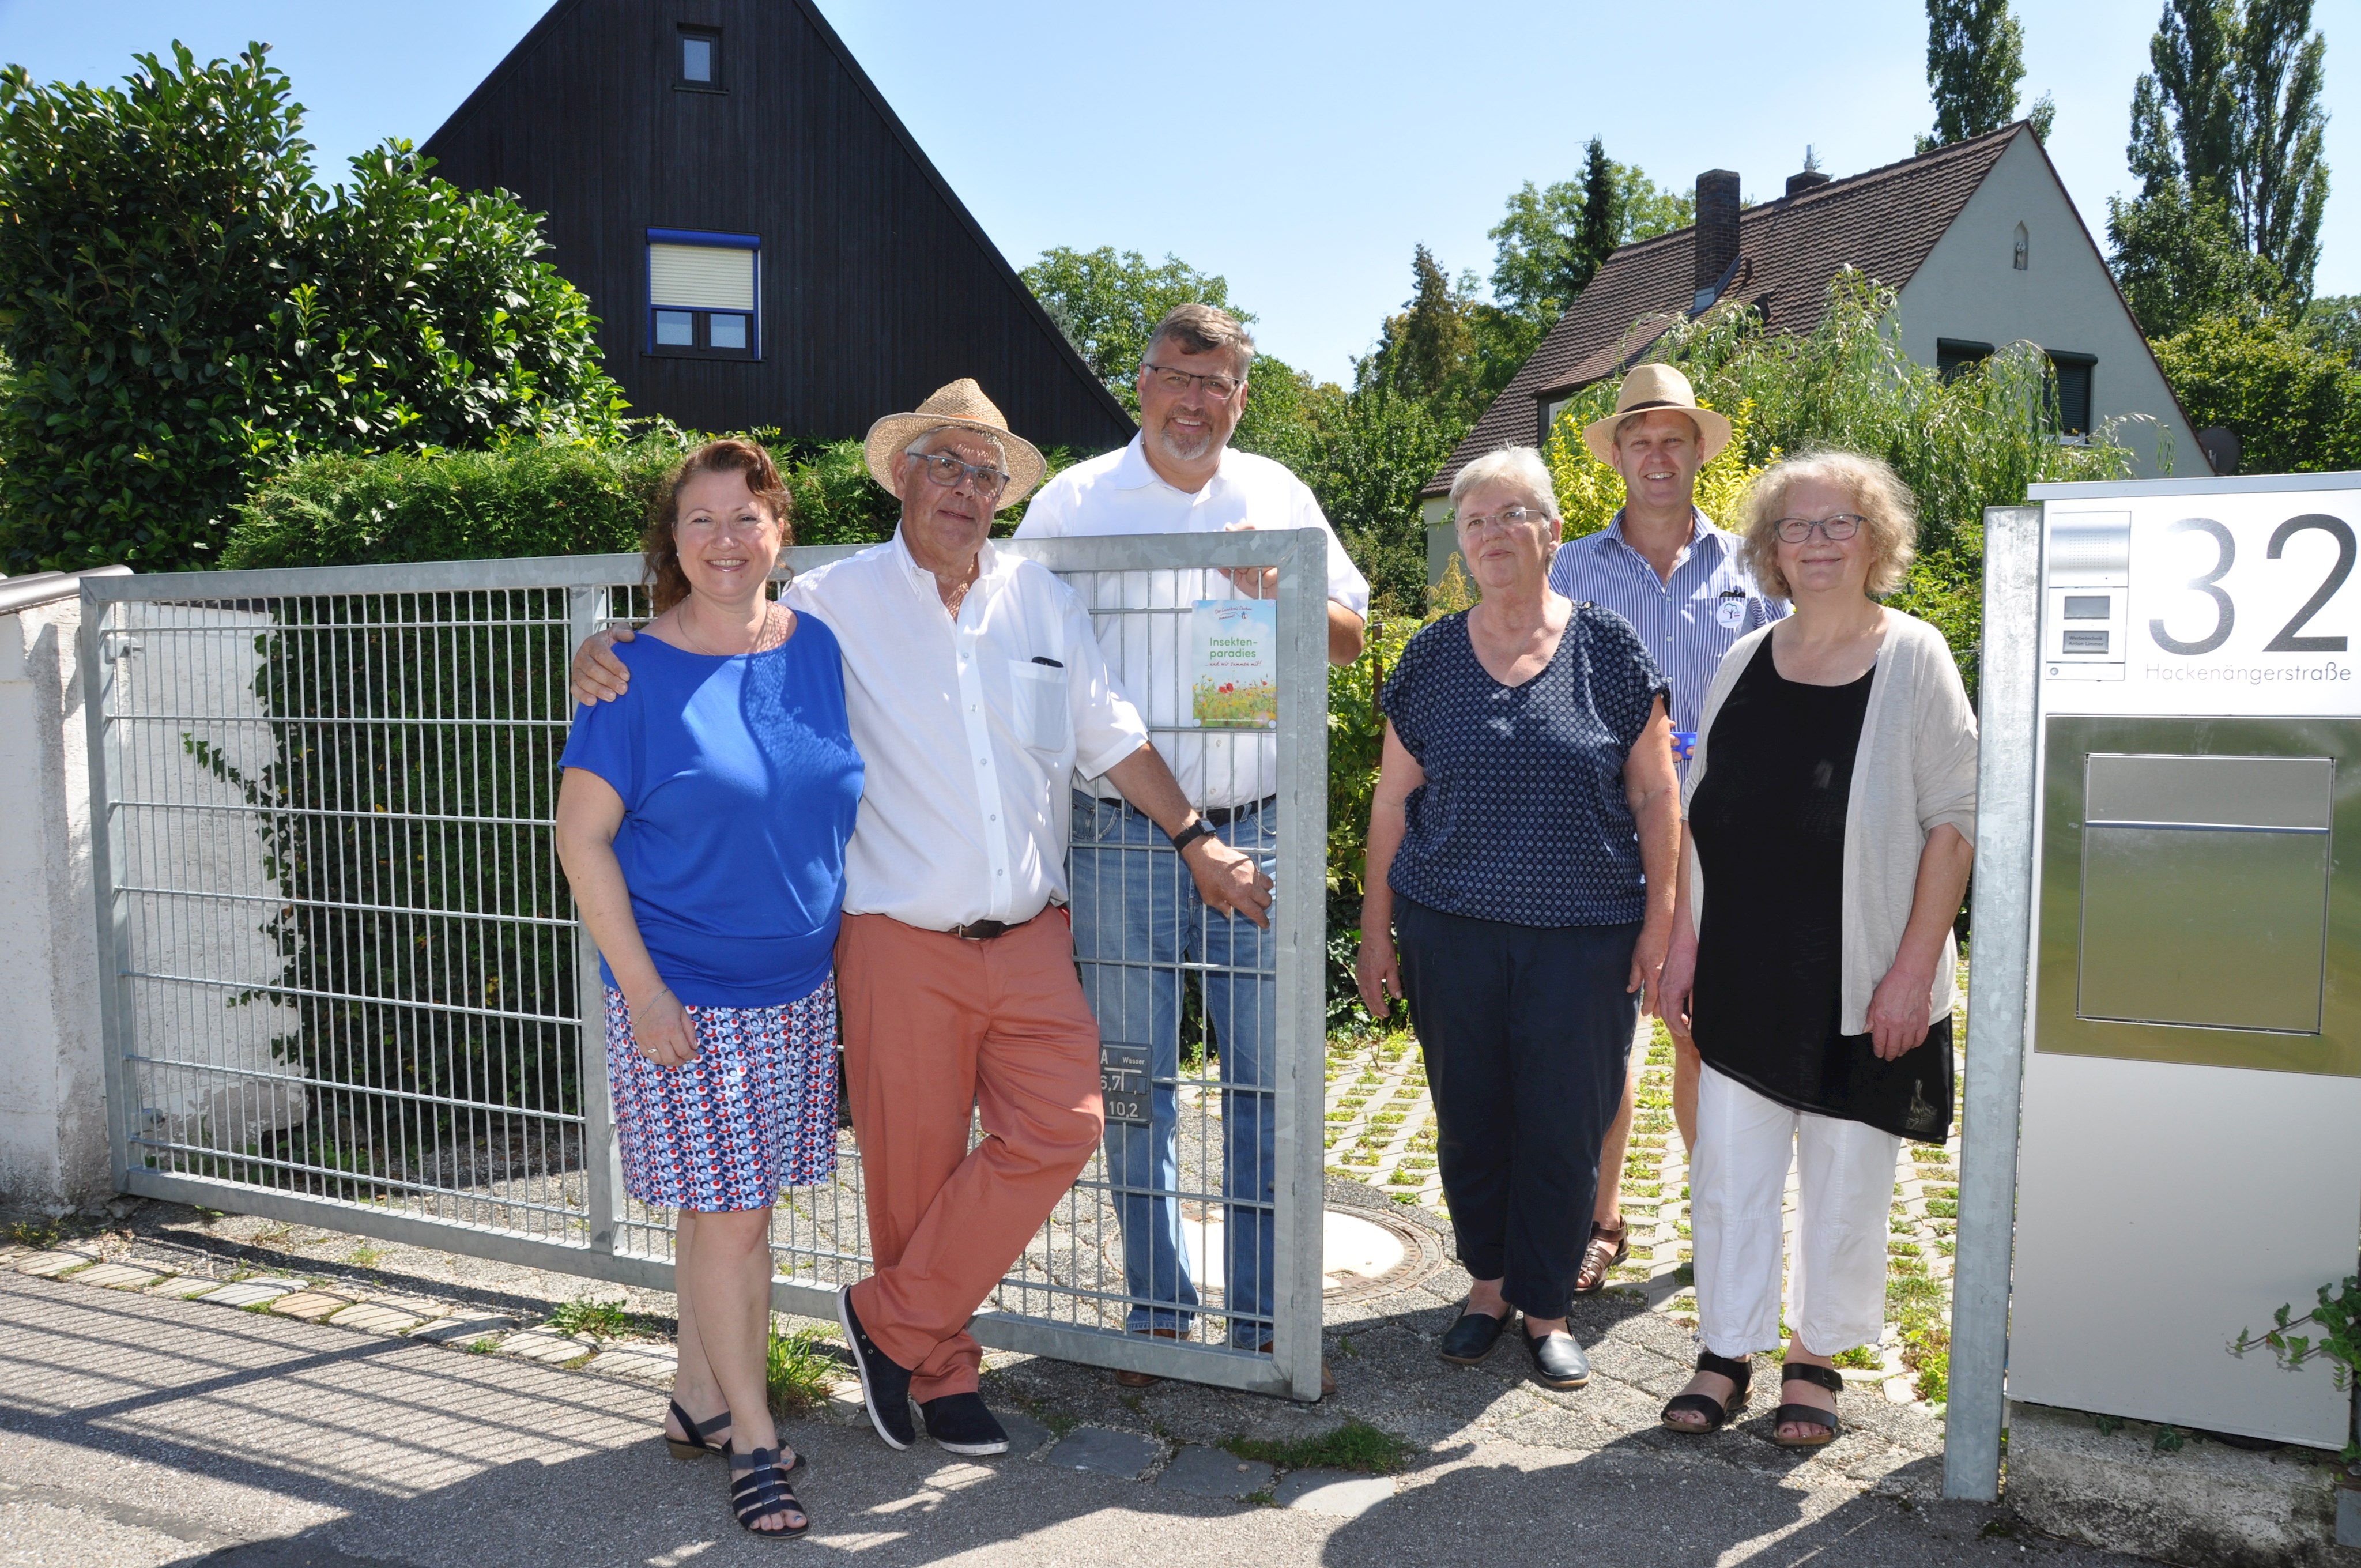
column 1979, row 239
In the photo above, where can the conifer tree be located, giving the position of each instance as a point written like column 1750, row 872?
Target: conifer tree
column 1601, row 229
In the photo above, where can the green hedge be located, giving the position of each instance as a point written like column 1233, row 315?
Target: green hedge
column 523, row 499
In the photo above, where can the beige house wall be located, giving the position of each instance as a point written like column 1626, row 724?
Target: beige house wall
column 2064, row 300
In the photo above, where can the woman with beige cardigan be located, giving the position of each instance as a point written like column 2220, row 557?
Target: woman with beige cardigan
column 1831, row 810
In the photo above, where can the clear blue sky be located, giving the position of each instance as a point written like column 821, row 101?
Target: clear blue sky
column 1300, row 149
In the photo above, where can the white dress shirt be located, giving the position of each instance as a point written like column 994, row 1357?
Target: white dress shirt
column 1121, row 493
column 971, row 738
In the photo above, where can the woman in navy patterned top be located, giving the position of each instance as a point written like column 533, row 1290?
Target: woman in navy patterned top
column 1526, row 812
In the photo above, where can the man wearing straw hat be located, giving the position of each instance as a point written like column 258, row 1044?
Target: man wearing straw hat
column 1665, row 567
column 977, row 694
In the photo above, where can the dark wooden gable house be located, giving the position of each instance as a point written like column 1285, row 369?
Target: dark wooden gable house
column 764, row 242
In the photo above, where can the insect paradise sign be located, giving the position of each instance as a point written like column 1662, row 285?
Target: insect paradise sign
column 2217, row 602
column 1234, row 663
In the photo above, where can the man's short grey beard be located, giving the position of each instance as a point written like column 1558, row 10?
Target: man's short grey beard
column 1172, row 448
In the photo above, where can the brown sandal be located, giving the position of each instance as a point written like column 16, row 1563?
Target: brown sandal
column 1605, row 1249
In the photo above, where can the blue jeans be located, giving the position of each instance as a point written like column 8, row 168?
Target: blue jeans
column 1139, row 927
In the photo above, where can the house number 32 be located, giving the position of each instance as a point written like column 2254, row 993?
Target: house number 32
column 2225, row 609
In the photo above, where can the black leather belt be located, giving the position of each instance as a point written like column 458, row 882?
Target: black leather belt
column 985, row 930
column 1223, row 815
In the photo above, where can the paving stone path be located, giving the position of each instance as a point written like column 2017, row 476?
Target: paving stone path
column 1381, row 1131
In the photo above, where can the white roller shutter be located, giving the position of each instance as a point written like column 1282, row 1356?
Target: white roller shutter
column 701, row 277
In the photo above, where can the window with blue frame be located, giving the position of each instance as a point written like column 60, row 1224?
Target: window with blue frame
column 704, row 294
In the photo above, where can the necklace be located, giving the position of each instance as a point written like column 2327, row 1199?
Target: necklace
column 958, row 596
column 760, row 640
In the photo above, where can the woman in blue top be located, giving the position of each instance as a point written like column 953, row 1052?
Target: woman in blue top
column 702, row 823
column 1520, row 849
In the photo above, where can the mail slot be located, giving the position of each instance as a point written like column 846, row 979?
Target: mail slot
column 2205, row 891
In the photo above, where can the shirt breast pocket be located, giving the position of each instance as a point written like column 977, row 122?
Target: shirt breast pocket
column 1044, row 721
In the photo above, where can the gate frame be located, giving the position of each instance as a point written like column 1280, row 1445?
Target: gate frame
column 1299, row 919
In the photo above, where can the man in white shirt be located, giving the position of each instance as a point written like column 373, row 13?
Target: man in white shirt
column 1139, row 924
column 975, row 691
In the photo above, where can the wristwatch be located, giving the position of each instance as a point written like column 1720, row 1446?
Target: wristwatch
column 1200, row 828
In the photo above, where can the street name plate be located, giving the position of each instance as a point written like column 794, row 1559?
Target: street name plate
column 1123, row 1082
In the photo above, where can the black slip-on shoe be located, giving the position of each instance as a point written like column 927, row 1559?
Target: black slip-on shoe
column 1471, row 1339
column 1558, row 1360
column 961, row 1423
column 884, row 1385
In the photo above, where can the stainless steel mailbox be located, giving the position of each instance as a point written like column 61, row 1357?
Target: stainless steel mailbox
column 2189, row 1126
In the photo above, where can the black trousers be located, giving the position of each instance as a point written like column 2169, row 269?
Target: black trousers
column 1527, row 1032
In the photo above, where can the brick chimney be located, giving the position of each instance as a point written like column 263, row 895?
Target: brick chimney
column 1717, row 229
column 1809, row 179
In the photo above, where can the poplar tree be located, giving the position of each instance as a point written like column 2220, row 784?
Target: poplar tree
column 1975, row 58
column 2226, row 139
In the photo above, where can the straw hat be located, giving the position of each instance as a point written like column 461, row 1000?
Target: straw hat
column 963, row 403
column 1651, row 387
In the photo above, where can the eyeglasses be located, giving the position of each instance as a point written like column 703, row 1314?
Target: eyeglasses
column 1218, row 388
column 950, row 473
column 1835, row 530
column 1507, row 516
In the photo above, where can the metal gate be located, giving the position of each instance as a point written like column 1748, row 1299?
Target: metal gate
column 344, row 985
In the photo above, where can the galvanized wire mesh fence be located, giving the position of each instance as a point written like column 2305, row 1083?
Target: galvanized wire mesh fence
column 346, row 984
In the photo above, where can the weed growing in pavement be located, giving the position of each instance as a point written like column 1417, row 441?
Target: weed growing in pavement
column 1355, row 1445
column 2170, row 1440
column 2108, row 1425
column 1860, row 1358
column 483, row 1346
column 1059, row 1422
column 799, row 1371
column 363, row 1256
column 599, row 1319
column 1915, row 1304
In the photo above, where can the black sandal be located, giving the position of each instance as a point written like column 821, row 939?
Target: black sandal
column 698, row 1443
column 1717, row 1414
column 758, row 1485
column 1827, row 1378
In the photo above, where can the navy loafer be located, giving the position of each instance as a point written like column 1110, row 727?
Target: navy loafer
column 1471, row 1339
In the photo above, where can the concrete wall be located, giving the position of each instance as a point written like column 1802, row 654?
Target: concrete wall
column 53, row 1152
column 206, row 1075
column 1969, row 287
column 206, row 1072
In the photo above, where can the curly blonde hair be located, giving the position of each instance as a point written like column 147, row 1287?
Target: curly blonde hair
column 1891, row 511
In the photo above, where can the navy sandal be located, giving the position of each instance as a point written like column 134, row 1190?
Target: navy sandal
column 758, row 1485
column 1717, row 1414
column 1827, row 1378
column 700, row 1441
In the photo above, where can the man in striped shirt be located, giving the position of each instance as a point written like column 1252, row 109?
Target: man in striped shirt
column 1664, row 566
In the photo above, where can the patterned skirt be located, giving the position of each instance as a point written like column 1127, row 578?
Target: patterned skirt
column 754, row 1110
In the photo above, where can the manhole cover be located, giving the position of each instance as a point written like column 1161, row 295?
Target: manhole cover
column 1364, row 1252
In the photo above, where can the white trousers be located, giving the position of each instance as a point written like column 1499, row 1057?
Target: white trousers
column 1737, row 1177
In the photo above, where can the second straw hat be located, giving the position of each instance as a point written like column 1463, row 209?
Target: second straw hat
column 1652, row 387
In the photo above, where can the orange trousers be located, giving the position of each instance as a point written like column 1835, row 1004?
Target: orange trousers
column 933, row 1026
